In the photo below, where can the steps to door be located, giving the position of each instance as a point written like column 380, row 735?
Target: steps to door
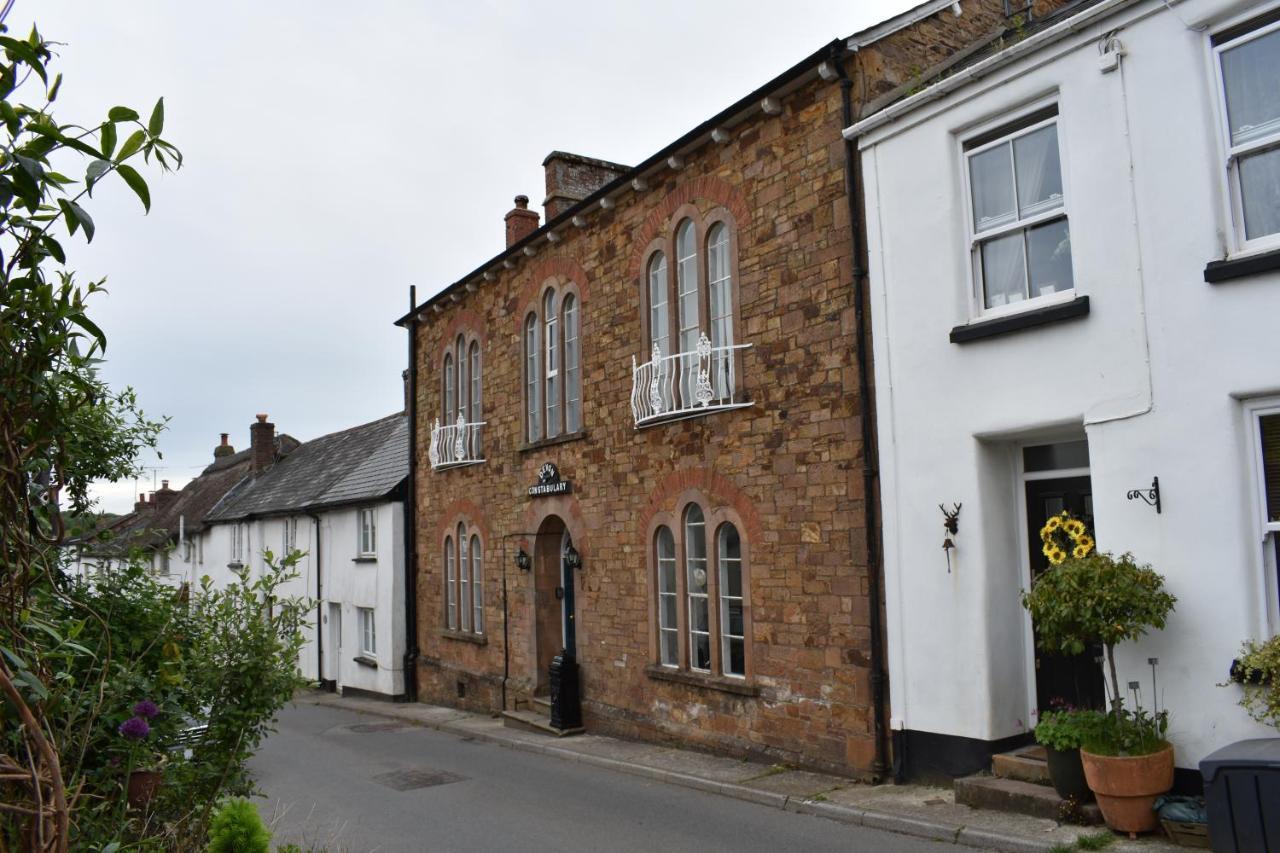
column 534, row 715
column 1019, row 783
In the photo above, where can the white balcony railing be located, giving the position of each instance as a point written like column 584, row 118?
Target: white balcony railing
column 456, row 444
column 686, row 384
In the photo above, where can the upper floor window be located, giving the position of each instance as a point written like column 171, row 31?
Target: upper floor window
column 464, row 581
column 693, row 360
column 1019, row 235
column 553, row 366
column 457, row 438
column 702, row 609
column 367, row 546
column 1249, row 69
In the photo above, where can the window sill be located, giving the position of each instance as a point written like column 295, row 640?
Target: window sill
column 1241, row 267
column 712, row 682
column 1078, row 307
column 465, row 637
column 551, row 442
column 365, row 660
column 235, row 565
column 364, row 559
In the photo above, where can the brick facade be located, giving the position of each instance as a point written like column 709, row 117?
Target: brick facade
column 787, row 471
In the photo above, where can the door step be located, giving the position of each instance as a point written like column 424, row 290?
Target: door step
column 1026, row 764
column 532, row 721
column 1015, row 795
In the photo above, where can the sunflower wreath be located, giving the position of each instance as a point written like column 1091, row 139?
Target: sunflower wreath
column 1065, row 536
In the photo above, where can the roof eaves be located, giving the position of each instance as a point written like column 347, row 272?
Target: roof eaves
column 873, row 34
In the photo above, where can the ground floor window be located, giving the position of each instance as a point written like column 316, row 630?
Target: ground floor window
column 1264, row 422
column 368, row 631
column 464, row 581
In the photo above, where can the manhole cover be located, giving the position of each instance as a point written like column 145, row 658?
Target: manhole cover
column 365, row 728
column 409, row 780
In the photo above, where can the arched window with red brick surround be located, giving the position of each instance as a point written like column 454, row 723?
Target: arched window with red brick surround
column 464, row 581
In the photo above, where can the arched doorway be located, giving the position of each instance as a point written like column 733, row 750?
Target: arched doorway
column 554, row 611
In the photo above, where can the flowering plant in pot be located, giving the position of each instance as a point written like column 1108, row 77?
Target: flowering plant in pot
column 1100, row 598
column 1258, row 671
column 1062, row 731
column 142, row 758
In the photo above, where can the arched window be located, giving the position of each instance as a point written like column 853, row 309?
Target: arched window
column 687, row 300
column 450, row 389
column 572, row 367
column 720, row 285
column 477, row 587
column 710, row 608
column 450, row 585
column 464, row 581
column 732, row 630
column 533, row 378
column 551, row 341
column 477, row 448
column 668, row 599
column 695, row 560
column 659, row 316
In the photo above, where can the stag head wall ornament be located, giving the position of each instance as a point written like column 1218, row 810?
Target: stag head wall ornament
column 951, row 524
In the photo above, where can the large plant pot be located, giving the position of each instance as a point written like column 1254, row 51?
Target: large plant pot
column 142, row 787
column 1066, row 772
column 1127, row 786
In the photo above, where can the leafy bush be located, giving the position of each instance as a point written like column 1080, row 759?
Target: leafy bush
column 1128, row 733
column 1066, row 729
column 238, row 828
column 1258, row 670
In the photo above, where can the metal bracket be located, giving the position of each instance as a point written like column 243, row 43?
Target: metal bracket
column 1150, row 497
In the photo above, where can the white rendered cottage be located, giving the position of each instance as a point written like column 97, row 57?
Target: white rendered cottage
column 1074, row 249
column 339, row 499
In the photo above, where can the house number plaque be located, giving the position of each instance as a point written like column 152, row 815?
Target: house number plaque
column 549, row 482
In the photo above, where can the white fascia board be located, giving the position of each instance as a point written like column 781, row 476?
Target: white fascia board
column 871, row 35
column 1028, row 46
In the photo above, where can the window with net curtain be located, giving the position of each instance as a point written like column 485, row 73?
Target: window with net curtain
column 1249, row 63
column 1020, row 237
column 711, row 604
column 553, row 367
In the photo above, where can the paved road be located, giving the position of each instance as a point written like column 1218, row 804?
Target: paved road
column 351, row 782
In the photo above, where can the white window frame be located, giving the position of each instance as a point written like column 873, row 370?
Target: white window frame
column 289, row 539
column 367, row 548
column 237, row 543
column 368, row 631
column 1264, row 529
column 1233, row 153
column 975, row 239
column 665, row 594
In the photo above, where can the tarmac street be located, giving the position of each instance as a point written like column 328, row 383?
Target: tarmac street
column 349, row 781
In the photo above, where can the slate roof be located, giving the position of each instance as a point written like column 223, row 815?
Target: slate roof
column 364, row 463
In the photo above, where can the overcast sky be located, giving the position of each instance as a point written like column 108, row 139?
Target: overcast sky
column 338, row 152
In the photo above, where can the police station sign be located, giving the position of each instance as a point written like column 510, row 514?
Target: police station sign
column 549, row 482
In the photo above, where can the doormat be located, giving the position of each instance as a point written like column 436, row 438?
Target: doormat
column 365, row 728
column 412, row 779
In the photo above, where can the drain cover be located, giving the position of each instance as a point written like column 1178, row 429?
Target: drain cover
column 409, row 780
column 365, row 728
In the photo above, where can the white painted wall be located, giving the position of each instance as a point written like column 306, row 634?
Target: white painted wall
column 1154, row 376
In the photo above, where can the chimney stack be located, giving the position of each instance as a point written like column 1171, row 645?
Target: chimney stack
column 223, row 449
column 164, row 496
column 521, row 221
column 262, row 440
column 572, row 177
column 140, row 504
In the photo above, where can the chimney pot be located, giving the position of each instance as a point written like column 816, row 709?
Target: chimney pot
column 223, row 449
column 164, row 484
column 262, row 418
column 521, row 221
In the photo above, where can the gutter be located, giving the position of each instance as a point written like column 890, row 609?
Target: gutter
column 1011, row 54
column 319, row 607
column 409, row 668
column 870, row 473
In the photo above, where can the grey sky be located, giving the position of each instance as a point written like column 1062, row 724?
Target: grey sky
column 339, row 152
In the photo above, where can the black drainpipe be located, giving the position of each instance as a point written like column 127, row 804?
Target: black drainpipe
column 319, row 609
column 410, row 664
column 869, row 471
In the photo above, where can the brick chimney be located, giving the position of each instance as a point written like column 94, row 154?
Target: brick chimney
column 521, row 221
column 262, row 440
column 141, row 505
column 223, row 449
column 164, row 496
column 572, row 177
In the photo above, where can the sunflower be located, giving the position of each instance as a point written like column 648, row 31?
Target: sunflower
column 1080, row 552
column 1057, row 556
column 1051, row 525
column 1085, row 541
column 1074, row 528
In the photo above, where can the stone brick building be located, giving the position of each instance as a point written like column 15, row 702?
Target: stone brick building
column 672, row 359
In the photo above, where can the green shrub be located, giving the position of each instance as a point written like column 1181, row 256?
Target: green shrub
column 1066, row 729
column 238, row 828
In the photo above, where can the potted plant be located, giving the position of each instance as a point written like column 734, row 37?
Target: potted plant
column 1089, row 598
column 1062, row 732
column 142, row 760
column 1258, row 670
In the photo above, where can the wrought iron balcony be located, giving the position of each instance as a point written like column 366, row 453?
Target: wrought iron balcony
column 456, row 444
column 686, row 384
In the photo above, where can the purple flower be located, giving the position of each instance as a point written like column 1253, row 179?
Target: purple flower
column 134, row 728
column 146, row 708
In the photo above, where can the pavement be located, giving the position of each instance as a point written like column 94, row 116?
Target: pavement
column 917, row 811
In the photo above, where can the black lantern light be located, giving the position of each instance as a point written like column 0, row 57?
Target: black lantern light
column 523, row 561
column 572, row 559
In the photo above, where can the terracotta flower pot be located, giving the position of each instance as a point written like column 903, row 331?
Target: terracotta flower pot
column 142, row 787
column 1126, row 787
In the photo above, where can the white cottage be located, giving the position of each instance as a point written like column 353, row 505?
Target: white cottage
column 1074, row 248
column 340, row 499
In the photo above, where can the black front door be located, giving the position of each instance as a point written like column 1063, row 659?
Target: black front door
column 1071, row 679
